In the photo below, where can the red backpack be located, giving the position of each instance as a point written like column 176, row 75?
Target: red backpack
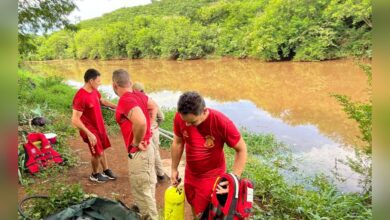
column 37, row 159
column 237, row 204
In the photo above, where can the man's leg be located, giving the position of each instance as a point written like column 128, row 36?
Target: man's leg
column 96, row 152
column 198, row 194
column 152, row 170
column 95, row 163
column 156, row 144
column 105, row 143
column 140, row 180
column 103, row 161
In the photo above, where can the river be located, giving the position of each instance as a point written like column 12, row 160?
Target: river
column 291, row 100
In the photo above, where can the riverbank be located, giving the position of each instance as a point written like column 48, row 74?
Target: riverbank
column 275, row 197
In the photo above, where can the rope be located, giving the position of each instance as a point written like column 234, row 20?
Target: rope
column 21, row 211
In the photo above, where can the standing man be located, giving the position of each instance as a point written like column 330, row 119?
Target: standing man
column 155, row 136
column 202, row 132
column 87, row 117
column 134, row 114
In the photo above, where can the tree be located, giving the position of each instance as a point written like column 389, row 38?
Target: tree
column 40, row 16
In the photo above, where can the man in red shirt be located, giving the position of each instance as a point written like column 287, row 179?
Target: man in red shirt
column 202, row 132
column 87, row 117
column 134, row 114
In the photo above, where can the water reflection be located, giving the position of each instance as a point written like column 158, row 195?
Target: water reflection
column 290, row 100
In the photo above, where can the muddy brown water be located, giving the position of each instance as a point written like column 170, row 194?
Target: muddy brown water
column 291, row 100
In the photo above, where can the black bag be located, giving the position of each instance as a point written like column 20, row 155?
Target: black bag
column 96, row 209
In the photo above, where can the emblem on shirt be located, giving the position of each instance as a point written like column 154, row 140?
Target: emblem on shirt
column 209, row 143
column 185, row 134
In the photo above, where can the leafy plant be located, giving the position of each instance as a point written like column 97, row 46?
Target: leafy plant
column 361, row 112
column 268, row 30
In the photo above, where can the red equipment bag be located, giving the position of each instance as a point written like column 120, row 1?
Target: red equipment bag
column 236, row 204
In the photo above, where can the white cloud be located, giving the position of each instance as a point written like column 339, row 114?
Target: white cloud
column 94, row 8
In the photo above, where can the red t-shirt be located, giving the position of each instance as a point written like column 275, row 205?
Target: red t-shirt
column 128, row 101
column 204, row 143
column 92, row 118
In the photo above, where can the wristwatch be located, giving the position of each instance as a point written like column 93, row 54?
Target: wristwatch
column 132, row 155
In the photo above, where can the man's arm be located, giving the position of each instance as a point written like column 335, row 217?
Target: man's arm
column 152, row 109
column 138, row 120
column 240, row 158
column 76, row 121
column 160, row 116
column 238, row 166
column 107, row 103
column 176, row 154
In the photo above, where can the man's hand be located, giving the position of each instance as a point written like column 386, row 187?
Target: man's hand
column 143, row 146
column 92, row 138
column 174, row 177
column 223, row 187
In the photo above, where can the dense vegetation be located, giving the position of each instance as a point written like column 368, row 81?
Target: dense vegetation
column 361, row 112
column 301, row 30
column 41, row 16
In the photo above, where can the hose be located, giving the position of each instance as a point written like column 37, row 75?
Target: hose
column 20, row 210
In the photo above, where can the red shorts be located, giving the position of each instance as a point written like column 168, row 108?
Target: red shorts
column 198, row 192
column 102, row 143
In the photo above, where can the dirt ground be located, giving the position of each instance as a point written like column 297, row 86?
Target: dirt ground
column 117, row 160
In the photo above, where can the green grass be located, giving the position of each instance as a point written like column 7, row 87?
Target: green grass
column 52, row 99
column 277, row 199
column 167, row 124
column 60, row 196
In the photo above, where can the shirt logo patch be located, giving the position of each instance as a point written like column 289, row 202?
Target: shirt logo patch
column 209, row 143
column 185, row 134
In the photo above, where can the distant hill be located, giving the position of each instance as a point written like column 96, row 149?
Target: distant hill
column 186, row 29
column 185, row 8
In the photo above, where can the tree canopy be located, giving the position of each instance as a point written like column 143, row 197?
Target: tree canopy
column 302, row 30
column 41, row 16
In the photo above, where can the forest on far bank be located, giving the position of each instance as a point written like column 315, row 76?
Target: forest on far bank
column 269, row 30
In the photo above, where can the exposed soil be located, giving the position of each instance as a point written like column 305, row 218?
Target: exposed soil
column 117, row 160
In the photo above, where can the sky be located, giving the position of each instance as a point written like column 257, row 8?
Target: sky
column 95, row 8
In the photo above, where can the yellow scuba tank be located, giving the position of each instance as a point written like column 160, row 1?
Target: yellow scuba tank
column 174, row 203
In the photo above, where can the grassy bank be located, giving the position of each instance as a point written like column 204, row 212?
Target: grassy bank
column 51, row 98
column 275, row 197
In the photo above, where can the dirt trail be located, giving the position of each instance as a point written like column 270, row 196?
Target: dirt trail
column 117, row 160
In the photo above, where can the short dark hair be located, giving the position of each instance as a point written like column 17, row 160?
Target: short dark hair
column 90, row 74
column 191, row 103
